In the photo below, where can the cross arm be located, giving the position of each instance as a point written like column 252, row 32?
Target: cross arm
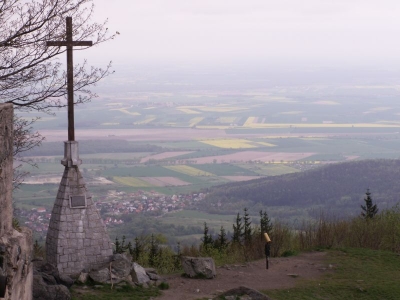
column 65, row 43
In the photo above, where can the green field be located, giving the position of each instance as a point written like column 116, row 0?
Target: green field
column 358, row 274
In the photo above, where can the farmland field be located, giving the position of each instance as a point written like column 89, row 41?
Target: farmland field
column 131, row 181
column 188, row 170
column 193, row 140
column 230, row 143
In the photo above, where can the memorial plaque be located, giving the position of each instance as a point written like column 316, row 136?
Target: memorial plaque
column 77, row 201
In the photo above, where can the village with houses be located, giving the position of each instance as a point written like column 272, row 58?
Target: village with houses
column 114, row 206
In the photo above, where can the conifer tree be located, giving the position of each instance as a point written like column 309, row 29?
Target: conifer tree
column 137, row 251
column 222, row 239
column 265, row 223
column 237, row 230
column 247, row 227
column 369, row 210
column 153, row 251
column 207, row 239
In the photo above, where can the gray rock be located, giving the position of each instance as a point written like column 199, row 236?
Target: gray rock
column 101, row 276
column 244, row 293
column 42, row 291
column 121, row 265
column 153, row 276
column 65, row 280
column 151, row 270
column 199, row 267
column 48, row 279
column 139, row 275
column 83, row 277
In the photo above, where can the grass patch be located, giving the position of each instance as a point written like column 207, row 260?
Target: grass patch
column 118, row 293
column 359, row 274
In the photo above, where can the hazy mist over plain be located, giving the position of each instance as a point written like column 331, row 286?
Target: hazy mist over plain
column 314, row 33
column 213, row 44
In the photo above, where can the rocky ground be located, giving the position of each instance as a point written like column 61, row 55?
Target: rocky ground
column 282, row 273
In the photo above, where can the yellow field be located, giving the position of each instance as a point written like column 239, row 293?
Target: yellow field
column 188, row 111
column 249, row 122
column 195, row 121
column 230, row 143
column 189, row 170
column 226, row 119
column 131, row 181
column 146, row 121
column 125, row 111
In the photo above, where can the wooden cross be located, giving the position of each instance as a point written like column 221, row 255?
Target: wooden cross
column 69, row 43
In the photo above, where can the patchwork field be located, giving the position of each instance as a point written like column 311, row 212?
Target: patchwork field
column 188, row 170
column 244, row 156
column 230, row 143
column 164, row 155
column 165, row 181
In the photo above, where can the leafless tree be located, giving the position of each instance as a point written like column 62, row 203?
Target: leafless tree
column 31, row 78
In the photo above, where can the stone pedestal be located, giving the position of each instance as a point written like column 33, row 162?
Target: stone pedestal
column 77, row 238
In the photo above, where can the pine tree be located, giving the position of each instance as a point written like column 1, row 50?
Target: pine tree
column 137, row 251
column 369, row 210
column 265, row 224
column 207, row 239
column 247, row 227
column 222, row 239
column 153, row 251
column 237, row 230
column 117, row 246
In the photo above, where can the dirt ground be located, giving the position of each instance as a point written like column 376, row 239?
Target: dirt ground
column 282, row 273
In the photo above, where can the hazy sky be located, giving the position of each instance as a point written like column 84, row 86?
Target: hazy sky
column 317, row 32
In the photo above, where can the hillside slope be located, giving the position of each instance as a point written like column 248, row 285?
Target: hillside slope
column 339, row 187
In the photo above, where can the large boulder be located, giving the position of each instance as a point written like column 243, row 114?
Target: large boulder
column 199, row 267
column 243, row 292
column 116, row 271
column 139, row 274
column 42, row 291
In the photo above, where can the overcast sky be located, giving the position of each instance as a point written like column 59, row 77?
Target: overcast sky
column 320, row 32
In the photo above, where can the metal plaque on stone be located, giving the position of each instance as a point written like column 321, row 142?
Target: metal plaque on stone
column 77, row 201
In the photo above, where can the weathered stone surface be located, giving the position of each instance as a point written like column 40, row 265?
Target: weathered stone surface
column 6, row 168
column 77, row 239
column 65, row 280
column 243, row 292
column 16, row 272
column 83, row 277
column 101, row 276
column 199, row 267
column 153, row 276
column 139, row 275
column 121, row 265
column 42, row 291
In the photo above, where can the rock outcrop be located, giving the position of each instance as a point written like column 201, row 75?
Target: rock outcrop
column 243, row 292
column 121, row 269
column 49, row 284
column 199, row 267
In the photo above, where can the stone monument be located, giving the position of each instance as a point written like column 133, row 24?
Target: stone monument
column 77, row 238
column 15, row 245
